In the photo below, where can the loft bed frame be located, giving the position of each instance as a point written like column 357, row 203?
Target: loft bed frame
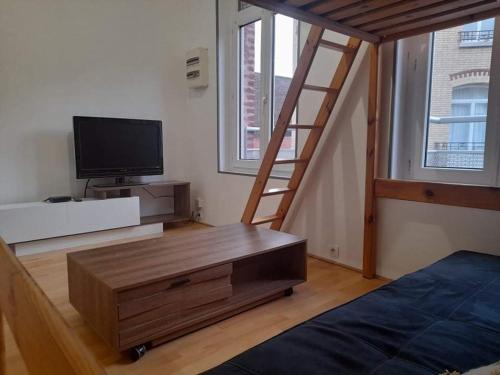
column 375, row 22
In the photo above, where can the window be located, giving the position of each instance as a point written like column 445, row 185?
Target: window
column 257, row 58
column 443, row 126
column 477, row 34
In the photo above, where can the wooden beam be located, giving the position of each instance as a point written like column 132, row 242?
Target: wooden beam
column 44, row 339
column 472, row 196
column 460, row 16
column 370, row 218
column 313, row 19
column 388, row 12
column 329, row 6
column 299, row 3
column 422, row 11
column 358, row 8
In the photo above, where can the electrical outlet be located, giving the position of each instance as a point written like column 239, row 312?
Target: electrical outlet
column 335, row 251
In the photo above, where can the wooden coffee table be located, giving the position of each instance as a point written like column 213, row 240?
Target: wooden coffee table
column 145, row 293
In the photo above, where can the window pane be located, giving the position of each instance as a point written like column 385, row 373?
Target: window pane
column 459, row 98
column 250, row 90
column 285, row 61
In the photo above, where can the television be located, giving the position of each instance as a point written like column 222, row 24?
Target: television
column 115, row 147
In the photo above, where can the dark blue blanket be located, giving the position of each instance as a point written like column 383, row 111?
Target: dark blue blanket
column 446, row 316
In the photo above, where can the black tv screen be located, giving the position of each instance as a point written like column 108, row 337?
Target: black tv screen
column 108, row 147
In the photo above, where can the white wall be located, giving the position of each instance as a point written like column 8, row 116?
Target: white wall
column 125, row 58
column 414, row 235
column 60, row 58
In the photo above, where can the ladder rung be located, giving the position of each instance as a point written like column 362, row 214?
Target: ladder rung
column 290, row 161
column 309, row 127
column 277, row 191
column 265, row 219
column 320, row 88
column 335, row 46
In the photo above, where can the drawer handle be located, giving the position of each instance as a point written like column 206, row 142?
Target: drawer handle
column 179, row 283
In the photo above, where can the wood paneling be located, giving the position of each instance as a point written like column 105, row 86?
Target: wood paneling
column 362, row 7
column 45, row 341
column 428, row 19
column 328, row 286
column 483, row 197
column 370, row 217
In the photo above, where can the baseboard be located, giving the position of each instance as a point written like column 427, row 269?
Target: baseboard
column 351, row 268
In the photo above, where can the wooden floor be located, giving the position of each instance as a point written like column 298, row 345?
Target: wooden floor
column 328, row 286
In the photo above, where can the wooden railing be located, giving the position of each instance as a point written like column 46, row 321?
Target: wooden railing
column 45, row 341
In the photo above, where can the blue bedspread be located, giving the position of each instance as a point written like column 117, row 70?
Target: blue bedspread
column 446, row 316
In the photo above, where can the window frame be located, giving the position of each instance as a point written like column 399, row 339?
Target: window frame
column 413, row 69
column 230, row 20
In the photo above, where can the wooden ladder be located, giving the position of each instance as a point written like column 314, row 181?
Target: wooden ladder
column 298, row 83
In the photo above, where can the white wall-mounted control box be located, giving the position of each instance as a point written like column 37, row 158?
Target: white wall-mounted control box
column 197, row 68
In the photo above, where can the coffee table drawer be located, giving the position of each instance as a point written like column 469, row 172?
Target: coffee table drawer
column 197, row 297
column 189, row 290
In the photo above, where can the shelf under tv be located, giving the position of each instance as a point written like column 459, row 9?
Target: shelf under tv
column 165, row 218
column 178, row 191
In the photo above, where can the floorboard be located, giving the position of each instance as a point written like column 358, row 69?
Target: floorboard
column 328, row 286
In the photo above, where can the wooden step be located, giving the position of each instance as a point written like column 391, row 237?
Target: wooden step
column 277, row 191
column 308, row 127
column 335, row 46
column 320, row 88
column 265, row 219
column 290, row 161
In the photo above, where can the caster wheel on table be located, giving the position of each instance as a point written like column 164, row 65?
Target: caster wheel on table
column 137, row 352
column 288, row 292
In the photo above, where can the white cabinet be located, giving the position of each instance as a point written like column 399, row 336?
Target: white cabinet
column 26, row 222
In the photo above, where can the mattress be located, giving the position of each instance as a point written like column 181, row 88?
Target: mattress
column 443, row 317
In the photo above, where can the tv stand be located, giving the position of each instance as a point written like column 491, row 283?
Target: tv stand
column 178, row 190
column 120, row 182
